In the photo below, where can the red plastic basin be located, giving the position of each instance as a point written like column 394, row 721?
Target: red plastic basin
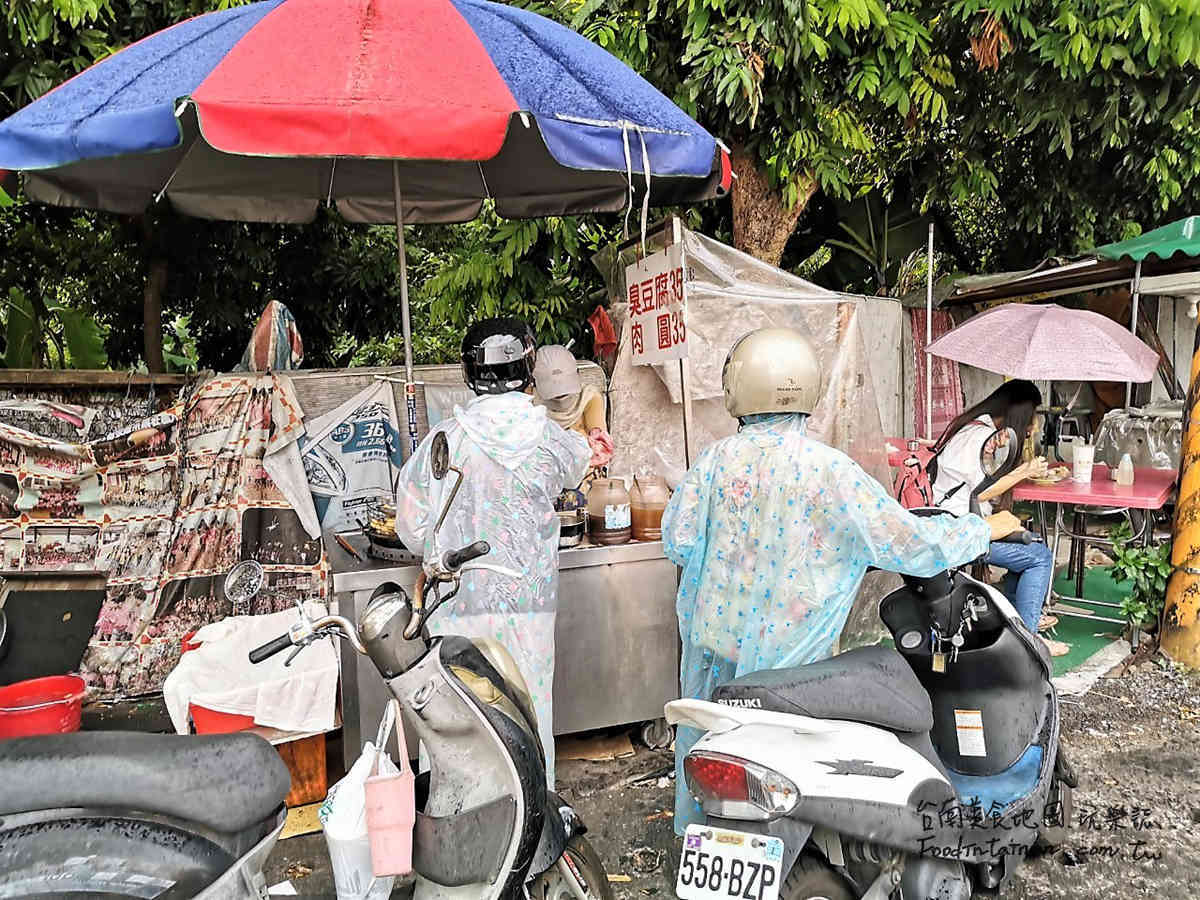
column 209, row 721
column 51, row 705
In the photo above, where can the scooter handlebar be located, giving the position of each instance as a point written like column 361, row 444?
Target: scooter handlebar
column 1024, row 536
column 456, row 559
column 270, row 648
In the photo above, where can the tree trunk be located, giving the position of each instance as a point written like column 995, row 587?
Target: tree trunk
column 762, row 223
column 152, row 296
column 1180, row 632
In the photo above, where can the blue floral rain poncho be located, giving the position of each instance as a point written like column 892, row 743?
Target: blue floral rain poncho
column 774, row 531
column 515, row 463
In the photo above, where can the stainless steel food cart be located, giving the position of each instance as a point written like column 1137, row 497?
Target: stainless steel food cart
column 617, row 641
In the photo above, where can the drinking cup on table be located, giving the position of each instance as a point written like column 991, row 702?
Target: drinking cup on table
column 1084, row 459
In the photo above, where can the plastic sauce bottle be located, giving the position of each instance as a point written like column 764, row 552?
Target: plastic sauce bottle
column 609, row 517
column 1125, row 470
column 648, row 500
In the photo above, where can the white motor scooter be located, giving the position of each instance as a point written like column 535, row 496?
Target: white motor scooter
column 925, row 771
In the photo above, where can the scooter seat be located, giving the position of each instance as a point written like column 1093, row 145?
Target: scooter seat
column 874, row 685
column 227, row 782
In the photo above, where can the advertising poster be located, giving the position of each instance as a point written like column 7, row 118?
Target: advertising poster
column 351, row 458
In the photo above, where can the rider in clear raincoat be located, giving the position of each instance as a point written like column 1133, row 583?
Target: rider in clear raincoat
column 515, row 463
column 775, row 530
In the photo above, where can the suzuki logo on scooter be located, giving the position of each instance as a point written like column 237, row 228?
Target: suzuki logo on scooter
column 743, row 702
column 859, row 767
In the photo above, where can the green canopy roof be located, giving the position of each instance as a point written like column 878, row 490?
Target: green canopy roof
column 1178, row 237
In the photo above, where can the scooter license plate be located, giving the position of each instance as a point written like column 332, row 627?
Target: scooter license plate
column 718, row 864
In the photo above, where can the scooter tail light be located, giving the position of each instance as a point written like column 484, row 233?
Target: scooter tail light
column 717, row 777
column 729, row 787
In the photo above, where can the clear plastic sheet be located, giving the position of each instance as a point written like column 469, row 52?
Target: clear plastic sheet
column 729, row 294
column 1151, row 436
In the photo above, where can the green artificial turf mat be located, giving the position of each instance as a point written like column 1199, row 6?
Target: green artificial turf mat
column 1086, row 637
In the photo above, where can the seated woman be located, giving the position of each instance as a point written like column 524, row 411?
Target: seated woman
column 959, row 473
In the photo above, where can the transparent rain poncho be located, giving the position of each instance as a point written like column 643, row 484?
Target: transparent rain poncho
column 774, row 531
column 515, row 462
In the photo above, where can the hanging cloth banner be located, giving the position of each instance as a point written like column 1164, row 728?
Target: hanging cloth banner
column 657, row 307
column 351, row 456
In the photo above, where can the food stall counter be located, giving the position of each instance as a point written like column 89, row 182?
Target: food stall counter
column 616, row 636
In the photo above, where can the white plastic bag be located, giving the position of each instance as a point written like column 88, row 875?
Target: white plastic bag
column 343, row 817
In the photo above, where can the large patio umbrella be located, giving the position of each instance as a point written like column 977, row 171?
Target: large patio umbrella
column 390, row 110
column 1048, row 343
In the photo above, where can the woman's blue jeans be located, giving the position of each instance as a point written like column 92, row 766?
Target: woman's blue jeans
column 1030, row 569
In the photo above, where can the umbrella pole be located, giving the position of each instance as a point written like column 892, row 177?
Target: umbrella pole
column 929, row 339
column 410, row 387
column 1137, row 290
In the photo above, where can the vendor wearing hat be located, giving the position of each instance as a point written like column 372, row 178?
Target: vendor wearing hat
column 574, row 406
column 568, row 401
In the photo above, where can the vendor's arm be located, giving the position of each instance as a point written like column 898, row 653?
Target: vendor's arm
column 1035, row 468
column 686, row 515
column 593, row 413
column 572, row 452
column 897, row 540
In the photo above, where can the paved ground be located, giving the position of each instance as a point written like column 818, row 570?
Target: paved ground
column 1136, row 833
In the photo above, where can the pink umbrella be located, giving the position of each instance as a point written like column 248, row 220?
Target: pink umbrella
column 1048, row 343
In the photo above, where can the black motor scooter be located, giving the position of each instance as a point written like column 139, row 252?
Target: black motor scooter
column 128, row 814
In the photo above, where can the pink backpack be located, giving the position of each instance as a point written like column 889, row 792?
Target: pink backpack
column 914, row 489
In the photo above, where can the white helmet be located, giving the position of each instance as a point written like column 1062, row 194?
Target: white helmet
column 771, row 370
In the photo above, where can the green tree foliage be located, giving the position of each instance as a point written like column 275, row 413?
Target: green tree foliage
column 828, row 95
column 1077, row 123
column 62, row 269
column 1026, row 127
column 1034, row 126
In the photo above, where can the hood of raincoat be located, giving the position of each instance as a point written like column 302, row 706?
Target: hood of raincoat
column 774, row 424
column 507, row 427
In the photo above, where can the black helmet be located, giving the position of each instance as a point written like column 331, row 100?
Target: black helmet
column 498, row 356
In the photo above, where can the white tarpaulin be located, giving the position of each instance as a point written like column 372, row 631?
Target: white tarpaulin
column 300, row 696
column 730, row 293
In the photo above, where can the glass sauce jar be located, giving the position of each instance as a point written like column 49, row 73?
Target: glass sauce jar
column 608, row 512
column 647, row 501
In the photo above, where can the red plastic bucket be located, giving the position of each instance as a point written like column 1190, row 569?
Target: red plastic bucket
column 51, row 705
column 209, row 721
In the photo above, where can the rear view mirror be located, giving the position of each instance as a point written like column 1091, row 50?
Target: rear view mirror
column 439, row 463
column 243, row 583
column 998, row 451
column 439, row 456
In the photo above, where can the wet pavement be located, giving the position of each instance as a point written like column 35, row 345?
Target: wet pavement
column 1136, row 831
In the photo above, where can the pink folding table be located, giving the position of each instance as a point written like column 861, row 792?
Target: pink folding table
column 1150, row 491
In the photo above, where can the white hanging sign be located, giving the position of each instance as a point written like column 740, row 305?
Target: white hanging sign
column 657, row 295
